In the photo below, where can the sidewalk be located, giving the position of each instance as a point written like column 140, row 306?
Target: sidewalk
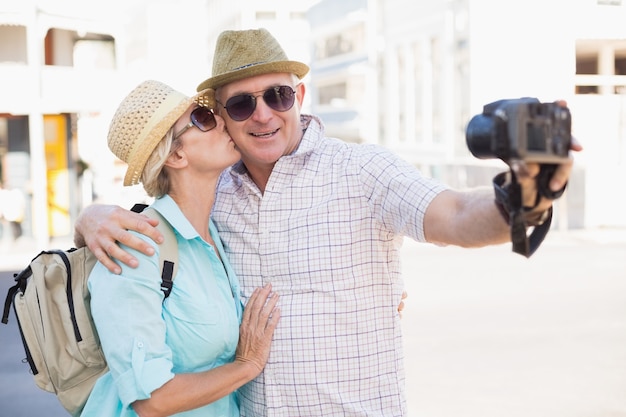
column 16, row 255
column 608, row 235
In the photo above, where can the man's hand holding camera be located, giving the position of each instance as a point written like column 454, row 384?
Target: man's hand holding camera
column 535, row 140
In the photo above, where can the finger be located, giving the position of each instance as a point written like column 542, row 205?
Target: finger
column 146, row 226
column 132, row 241
column 270, row 305
column 528, row 183
column 270, row 315
column 105, row 260
column 575, row 145
column 103, row 226
column 125, row 220
column 527, row 171
column 273, row 321
column 266, row 305
column 247, row 311
column 256, row 302
column 401, row 305
column 114, row 251
column 259, row 297
column 561, row 175
column 563, row 171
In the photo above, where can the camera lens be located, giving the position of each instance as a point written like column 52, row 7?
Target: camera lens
column 480, row 136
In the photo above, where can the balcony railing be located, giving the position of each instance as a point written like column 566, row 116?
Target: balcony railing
column 600, row 84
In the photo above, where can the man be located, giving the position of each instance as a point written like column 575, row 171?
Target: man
column 323, row 221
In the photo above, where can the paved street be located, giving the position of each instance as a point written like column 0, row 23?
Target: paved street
column 488, row 332
column 19, row 395
column 492, row 334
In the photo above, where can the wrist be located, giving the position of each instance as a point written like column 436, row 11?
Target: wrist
column 251, row 368
column 79, row 239
column 536, row 218
column 504, row 213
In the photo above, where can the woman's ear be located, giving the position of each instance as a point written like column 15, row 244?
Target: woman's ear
column 177, row 159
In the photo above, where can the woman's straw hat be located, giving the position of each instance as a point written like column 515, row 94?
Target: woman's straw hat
column 246, row 53
column 142, row 120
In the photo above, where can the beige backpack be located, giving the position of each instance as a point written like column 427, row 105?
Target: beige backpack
column 52, row 306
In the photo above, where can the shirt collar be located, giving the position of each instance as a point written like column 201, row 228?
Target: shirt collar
column 172, row 213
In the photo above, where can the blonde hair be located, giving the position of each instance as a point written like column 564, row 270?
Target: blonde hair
column 154, row 177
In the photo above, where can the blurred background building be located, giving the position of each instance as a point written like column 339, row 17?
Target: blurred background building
column 407, row 74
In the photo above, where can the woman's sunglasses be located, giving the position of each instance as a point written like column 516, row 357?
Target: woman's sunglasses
column 202, row 118
column 279, row 98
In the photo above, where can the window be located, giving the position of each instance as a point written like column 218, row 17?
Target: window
column 12, row 44
column 297, row 15
column 94, row 54
column 261, row 15
column 349, row 41
column 600, row 66
column 333, row 94
column 71, row 49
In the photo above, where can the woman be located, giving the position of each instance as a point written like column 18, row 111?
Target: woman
column 186, row 354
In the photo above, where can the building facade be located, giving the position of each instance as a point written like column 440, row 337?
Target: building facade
column 428, row 67
column 57, row 66
column 405, row 74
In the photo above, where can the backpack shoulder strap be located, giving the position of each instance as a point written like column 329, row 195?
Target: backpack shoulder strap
column 168, row 252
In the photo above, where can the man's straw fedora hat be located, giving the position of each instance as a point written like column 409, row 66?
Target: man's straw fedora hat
column 245, row 53
column 142, row 120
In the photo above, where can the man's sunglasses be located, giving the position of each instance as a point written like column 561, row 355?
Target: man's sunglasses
column 200, row 117
column 279, row 98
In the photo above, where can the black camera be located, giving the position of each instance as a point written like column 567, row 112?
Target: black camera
column 521, row 129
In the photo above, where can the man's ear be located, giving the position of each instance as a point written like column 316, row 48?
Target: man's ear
column 300, row 91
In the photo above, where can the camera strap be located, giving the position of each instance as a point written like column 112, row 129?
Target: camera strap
column 508, row 194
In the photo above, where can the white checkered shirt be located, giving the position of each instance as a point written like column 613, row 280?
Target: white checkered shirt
column 326, row 234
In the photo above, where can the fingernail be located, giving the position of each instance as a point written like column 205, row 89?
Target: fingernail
column 555, row 185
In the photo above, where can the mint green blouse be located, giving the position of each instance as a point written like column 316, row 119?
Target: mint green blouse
column 147, row 340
